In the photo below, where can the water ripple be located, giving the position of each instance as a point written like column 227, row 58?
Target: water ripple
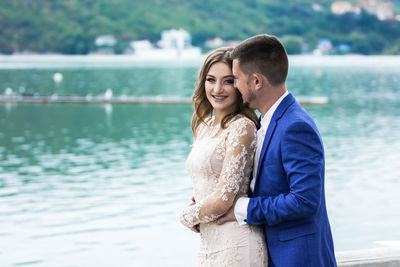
column 81, row 185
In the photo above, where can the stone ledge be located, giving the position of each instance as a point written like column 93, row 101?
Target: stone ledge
column 388, row 256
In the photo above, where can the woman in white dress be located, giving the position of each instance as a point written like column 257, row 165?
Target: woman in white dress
column 220, row 164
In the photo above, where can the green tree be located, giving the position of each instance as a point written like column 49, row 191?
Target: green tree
column 292, row 43
column 71, row 26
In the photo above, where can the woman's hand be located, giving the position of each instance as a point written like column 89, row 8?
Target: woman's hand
column 195, row 228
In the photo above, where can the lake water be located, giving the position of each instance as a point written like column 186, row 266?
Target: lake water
column 102, row 185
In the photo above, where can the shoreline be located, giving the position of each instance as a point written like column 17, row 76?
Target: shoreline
column 66, row 61
column 103, row 99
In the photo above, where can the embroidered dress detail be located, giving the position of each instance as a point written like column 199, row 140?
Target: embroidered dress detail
column 220, row 164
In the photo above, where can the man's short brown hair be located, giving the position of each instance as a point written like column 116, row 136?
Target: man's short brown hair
column 263, row 54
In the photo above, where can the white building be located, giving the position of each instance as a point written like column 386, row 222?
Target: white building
column 175, row 39
column 324, row 47
column 104, row 45
column 343, row 7
column 105, row 40
column 141, row 45
column 173, row 44
column 383, row 10
column 317, row 7
column 214, row 43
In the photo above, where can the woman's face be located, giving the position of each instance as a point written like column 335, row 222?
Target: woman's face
column 219, row 89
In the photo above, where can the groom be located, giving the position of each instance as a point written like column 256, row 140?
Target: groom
column 288, row 197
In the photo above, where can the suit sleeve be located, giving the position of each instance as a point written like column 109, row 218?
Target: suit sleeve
column 303, row 162
column 240, row 146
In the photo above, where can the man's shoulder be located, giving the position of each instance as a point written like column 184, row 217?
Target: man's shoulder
column 297, row 114
column 297, row 119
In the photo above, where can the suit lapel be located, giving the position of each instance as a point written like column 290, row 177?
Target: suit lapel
column 281, row 109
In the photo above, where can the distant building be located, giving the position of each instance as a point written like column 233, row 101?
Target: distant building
column 173, row 44
column 214, row 43
column 381, row 9
column 104, row 44
column 218, row 42
column 343, row 7
column 324, row 47
column 344, row 48
column 232, row 43
column 141, row 45
column 105, row 40
column 317, row 7
column 175, row 39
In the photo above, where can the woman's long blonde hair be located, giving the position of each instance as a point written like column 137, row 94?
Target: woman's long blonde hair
column 202, row 107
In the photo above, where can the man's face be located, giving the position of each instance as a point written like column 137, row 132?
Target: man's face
column 241, row 83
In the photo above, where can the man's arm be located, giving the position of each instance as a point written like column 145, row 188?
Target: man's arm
column 303, row 162
column 229, row 216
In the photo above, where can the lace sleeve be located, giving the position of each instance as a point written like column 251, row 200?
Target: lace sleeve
column 237, row 164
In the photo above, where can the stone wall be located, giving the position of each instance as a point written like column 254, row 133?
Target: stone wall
column 386, row 256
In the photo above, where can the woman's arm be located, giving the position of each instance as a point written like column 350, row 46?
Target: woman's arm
column 240, row 146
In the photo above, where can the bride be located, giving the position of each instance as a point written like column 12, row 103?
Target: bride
column 220, row 164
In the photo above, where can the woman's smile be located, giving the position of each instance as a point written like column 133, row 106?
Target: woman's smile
column 219, row 89
column 219, row 98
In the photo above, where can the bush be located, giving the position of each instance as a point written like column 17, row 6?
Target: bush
column 292, row 43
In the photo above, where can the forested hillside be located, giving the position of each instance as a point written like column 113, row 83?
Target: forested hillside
column 71, row 26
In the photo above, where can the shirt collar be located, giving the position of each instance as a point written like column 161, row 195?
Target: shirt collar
column 267, row 117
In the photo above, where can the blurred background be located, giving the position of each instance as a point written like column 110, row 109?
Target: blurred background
column 102, row 183
column 101, row 26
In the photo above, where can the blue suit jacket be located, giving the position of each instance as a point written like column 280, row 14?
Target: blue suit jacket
column 289, row 194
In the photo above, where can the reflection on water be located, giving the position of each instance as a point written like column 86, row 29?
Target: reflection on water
column 80, row 180
column 135, row 81
column 102, row 185
column 361, row 130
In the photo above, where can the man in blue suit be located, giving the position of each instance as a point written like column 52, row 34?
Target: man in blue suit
column 287, row 190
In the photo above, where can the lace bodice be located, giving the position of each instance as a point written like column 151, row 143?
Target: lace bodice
column 219, row 164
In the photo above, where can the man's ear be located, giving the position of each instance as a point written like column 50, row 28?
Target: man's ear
column 258, row 81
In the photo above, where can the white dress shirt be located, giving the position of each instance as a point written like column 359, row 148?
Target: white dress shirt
column 242, row 203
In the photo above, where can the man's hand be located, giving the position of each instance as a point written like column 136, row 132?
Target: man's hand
column 229, row 216
column 195, row 228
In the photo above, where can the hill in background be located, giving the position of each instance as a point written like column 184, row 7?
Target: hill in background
column 71, row 26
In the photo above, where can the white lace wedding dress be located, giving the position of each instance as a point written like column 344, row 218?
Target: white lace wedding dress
column 220, row 164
